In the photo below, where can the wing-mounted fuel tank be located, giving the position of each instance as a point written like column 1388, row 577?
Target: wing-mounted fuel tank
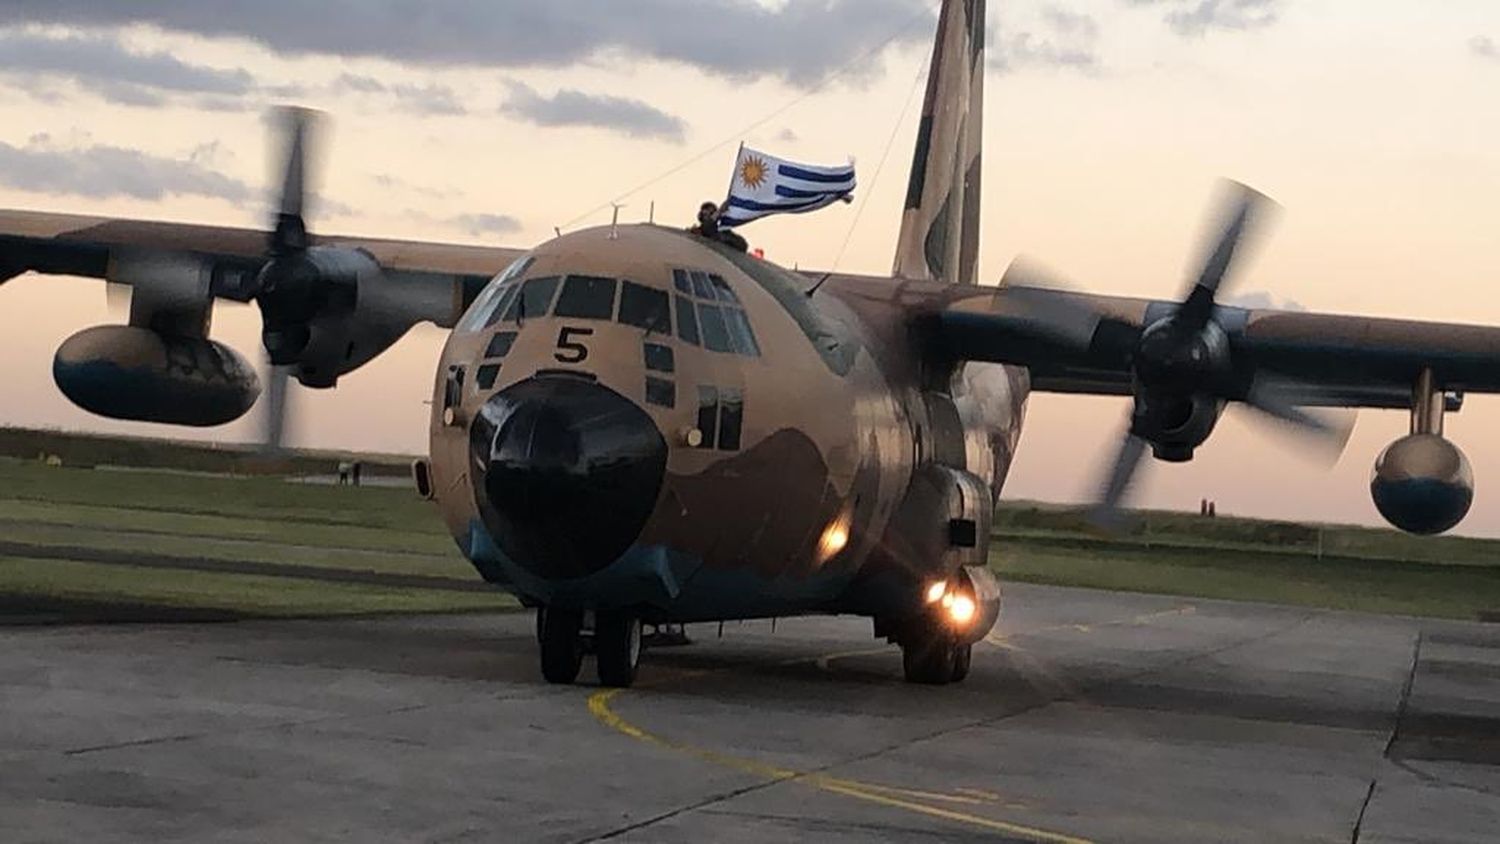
column 1422, row 483
column 126, row 372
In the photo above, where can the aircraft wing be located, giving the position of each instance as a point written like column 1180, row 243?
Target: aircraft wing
column 1079, row 343
column 94, row 247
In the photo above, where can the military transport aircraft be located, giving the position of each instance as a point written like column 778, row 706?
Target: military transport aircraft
column 635, row 424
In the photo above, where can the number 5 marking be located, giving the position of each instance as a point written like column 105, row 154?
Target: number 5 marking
column 568, row 349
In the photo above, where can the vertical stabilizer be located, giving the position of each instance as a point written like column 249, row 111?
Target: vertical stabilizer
column 940, row 229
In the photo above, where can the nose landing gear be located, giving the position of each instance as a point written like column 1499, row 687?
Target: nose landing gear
column 565, row 636
column 560, row 634
column 934, row 657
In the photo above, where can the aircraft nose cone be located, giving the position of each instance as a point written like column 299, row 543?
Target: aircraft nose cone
column 566, row 473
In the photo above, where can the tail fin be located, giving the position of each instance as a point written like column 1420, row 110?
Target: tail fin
column 940, row 230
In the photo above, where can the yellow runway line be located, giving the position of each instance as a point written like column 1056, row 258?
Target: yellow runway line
column 908, row 800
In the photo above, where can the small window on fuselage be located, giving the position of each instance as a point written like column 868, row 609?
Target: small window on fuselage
column 500, row 344
column 586, row 297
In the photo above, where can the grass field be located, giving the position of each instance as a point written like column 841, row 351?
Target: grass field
column 1334, row 566
column 159, row 542
column 144, row 542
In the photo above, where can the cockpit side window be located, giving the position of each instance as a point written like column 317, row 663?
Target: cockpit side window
column 586, row 297
column 721, row 319
column 715, row 332
column 507, row 296
column 645, row 307
column 687, row 321
column 534, row 301
column 489, row 302
column 701, row 286
column 722, row 289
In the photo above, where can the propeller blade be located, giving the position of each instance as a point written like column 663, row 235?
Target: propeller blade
column 117, row 299
column 1243, row 209
column 1283, row 400
column 1056, row 316
column 1105, row 514
column 290, row 233
column 275, row 399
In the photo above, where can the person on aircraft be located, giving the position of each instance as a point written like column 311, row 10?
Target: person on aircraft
column 708, row 226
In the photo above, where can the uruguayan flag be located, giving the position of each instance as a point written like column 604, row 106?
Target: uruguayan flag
column 764, row 184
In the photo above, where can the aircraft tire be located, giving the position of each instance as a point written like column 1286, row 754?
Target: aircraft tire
column 559, row 633
column 617, row 647
column 963, row 655
column 928, row 659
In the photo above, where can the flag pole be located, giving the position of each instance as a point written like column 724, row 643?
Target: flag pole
column 734, row 173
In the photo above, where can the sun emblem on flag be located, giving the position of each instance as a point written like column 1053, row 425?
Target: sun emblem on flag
column 753, row 172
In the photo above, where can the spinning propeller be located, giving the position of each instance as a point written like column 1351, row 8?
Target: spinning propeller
column 1182, row 365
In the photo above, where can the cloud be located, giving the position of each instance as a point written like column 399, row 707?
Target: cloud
column 568, row 107
column 485, row 224
column 427, row 100
column 100, row 172
column 1061, row 39
column 1262, row 300
column 800, row 41
column 1484, row 47
column 392, row 182
column 1192, row 18
column 100, row 64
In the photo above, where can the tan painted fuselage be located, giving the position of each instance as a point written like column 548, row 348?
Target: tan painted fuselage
column 839, row 417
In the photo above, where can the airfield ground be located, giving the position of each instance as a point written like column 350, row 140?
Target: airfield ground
column 1090, row 716
column 370, row 689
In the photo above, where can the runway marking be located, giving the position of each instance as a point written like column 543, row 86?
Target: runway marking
column 599, row 706
column 823, row 662
column 1003, row 639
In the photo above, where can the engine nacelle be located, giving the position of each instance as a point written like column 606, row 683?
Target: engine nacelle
column 124, row 372
column 331, row 309
column 1175, row 427
column 1422, row 484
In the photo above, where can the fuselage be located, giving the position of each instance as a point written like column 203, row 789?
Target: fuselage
column 639, row 417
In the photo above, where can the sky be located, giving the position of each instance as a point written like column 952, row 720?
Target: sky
column 1108, row 124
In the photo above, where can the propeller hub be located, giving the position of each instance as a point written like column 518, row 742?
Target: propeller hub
column 1174, row 359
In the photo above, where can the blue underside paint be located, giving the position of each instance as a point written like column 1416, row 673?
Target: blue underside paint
column 1422, row 505
column 675, row 586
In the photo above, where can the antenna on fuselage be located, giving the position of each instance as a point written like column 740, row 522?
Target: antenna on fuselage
column 814, row 288
column 614, row 221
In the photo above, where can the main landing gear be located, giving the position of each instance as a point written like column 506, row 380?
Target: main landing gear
column 613, row 636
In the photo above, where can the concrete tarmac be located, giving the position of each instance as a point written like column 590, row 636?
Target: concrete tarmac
column 1089, row 716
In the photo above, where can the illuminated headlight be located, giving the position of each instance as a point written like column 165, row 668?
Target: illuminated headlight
column 961, row 610
column 936, row 591
column 835, row 536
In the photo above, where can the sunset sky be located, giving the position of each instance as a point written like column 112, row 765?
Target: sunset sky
column 1376, row 123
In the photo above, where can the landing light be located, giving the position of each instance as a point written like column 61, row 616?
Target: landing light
column 961, row 610
column 835, row 536
column 936, row 591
